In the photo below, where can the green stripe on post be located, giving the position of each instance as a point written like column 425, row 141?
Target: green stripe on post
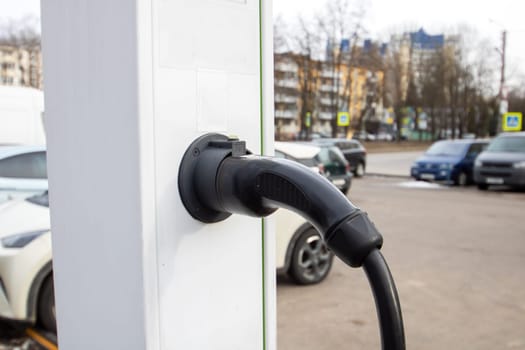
column 261, row 126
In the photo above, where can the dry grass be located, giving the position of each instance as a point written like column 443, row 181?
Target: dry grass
column 403, row 146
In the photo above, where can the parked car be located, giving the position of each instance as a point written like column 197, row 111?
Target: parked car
column 26, row 288
column 21, row 115
column 26, row 280
column 353, row 151
column 312, row 135
column 385, row 136
column 22, row 171
column 328, row 159
column 450, row 160
column 502, row 163
column 301, row 153
column 363, row 136
column 300, row 251
column 335, row 167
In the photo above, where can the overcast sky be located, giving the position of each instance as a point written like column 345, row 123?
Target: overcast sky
column 382, row 15
column 488, row 17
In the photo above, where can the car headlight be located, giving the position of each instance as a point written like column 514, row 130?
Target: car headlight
column 446, row 166
column 20, row 240
column 519, row 164
column 477, row 162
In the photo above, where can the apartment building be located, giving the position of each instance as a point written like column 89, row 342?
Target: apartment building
column 330, row 89
column 21, row 66
column 286, row 96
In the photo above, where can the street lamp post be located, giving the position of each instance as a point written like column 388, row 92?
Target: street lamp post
column 503, row 103
column 502, row 94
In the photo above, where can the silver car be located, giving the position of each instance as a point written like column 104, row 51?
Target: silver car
column 502, row 163
column 23, row 171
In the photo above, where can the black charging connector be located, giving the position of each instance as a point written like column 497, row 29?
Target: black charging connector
column 218, row 177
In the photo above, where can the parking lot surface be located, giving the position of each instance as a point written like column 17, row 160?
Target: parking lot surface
column 392, row 164
column 457, row 255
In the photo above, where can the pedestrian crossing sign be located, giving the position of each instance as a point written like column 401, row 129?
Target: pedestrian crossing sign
column 343, row 119
column 512, row 121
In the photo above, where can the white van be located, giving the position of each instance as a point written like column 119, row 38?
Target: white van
column 21, row 116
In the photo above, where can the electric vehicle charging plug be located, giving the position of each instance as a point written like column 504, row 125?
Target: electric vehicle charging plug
column 218, row 177
column 256, row 186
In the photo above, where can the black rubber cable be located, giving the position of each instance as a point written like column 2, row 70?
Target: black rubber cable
column 387, row 301
column 230, row 181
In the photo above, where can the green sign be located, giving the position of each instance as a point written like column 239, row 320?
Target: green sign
column 512, row 121
column 308, row 119
column 343, row 119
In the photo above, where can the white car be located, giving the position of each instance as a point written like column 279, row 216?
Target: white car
column 304, row 154
column 22, row 171
column 301, row 253
column 26, row 280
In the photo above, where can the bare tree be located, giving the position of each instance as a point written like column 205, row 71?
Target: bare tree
column 280, row 42
column 371, row 60
column 340, row 22
column 397, row 77
column 516, row 97
column 24, row 32
column 307, row 42
column 470, row 78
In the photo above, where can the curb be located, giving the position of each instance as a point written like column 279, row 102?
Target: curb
column 394, row 176
column 47, row 341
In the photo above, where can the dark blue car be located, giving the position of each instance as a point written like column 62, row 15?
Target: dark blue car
column 451, row 161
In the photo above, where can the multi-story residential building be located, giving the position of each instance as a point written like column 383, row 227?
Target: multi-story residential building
column 286, row 95
column 21, row 66
column 332, row 88
column 414, row 50
column 416, row 53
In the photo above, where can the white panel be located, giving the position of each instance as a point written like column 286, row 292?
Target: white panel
column 94, row 166
column 209, row 34
column 212, row 97
column 268, row 134
column 207, row 79
column 129, row 85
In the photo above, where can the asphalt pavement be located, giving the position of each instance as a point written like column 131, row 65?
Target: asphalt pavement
column 456, row 255
column 391, row 164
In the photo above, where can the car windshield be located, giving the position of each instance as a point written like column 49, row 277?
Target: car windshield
column 330, row 155
column 309, row 162
column 40, row 199
column 507, row 144
column 446, row 148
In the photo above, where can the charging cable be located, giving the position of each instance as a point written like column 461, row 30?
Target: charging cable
column 218, row 177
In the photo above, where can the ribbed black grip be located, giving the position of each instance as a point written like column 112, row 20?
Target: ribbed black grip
column 277, row 188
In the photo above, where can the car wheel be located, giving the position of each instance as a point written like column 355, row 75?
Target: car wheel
column 311, row 259
column 462, row 179
column 483, row 187
column 46, row 306
column 359, row 170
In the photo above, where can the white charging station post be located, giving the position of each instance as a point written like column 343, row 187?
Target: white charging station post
column 128, row 85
